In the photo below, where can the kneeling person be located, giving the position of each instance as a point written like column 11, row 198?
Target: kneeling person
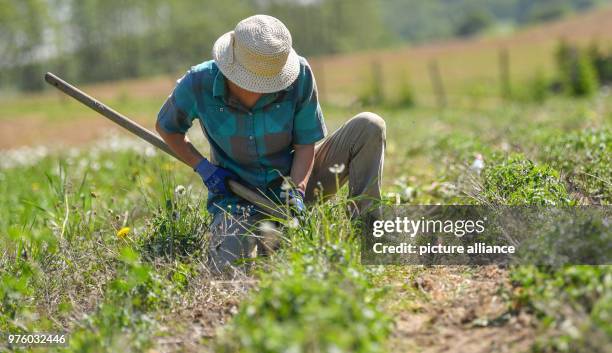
column 257, row 105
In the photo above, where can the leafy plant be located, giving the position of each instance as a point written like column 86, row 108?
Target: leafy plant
column 585, row 156
column 577, row 74
column 519, row 181
column 177, row 230
column 320, row 300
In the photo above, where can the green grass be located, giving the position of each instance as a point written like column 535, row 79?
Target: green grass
column 64, row 267
column 54, row 107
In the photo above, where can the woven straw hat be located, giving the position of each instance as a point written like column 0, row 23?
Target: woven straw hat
column 257, row 55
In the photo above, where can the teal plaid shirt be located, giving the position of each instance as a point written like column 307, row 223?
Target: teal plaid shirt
column 257, row 143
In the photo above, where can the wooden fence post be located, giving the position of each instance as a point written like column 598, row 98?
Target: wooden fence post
column 377, row 83
column 438, row 85
column 320, row 81
column 504, row 74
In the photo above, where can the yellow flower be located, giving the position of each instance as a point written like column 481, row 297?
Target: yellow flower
column 123, row 232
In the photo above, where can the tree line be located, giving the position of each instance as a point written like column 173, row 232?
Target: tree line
column 99, row 40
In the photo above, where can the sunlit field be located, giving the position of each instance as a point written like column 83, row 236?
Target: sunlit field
column 103, row 238
column 106, row 240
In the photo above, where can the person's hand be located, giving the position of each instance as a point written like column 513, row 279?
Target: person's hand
column 295, row 199
column 214, row 177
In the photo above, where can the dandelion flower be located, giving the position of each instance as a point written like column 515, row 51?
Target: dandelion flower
column 337, row 168
column 123, row 232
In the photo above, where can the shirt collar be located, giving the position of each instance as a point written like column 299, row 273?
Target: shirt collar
column 219, row 85
column 220, row 90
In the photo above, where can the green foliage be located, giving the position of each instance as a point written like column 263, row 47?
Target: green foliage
column 320, row 300
column 137, row 290
column 406, row 96
column 96, row 40
column 544, row 11
column 476, row 20
column 176, row 231
column 15, row 288
column 115, row 39
column 574, row 300
column 63, row 267
column 420, row 21
column 585, row 156
column 538, row 88
column 566, row 236
column 568, row 300
column 584, row 82
column 308, row 311
column 602, row 62
column 372, row 92
column 577, row 74
column 330, row 26
column 519, row 181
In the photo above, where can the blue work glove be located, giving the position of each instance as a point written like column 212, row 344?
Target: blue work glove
column 214, row 177
column 295, row 199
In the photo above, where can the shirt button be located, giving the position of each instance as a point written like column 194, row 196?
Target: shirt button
column 250, row 113
column 278, row 106
column 221, row 109
column 250, row 137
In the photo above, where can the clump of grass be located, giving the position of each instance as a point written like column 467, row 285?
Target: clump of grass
column 572, row 302
column 519, row 181
column 315, row 297
column 577, row 73
column 137, row 290
column 406, row 97
column 176, row 230
column 585, row 156
column 536, row 89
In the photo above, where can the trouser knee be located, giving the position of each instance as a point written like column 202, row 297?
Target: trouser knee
column 370, row 124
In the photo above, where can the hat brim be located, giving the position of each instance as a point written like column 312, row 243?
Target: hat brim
column 223, row 55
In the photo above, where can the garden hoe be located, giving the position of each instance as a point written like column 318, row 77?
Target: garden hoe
column 256, row 198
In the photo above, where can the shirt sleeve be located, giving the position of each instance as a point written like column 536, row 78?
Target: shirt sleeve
column 177, row 113
column 308, row 125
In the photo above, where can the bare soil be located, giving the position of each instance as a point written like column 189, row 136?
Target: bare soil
column 459, row 311
column 440, row 309
column 193, row 327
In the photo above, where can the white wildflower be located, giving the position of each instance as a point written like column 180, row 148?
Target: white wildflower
column 478, row 164
column 268, row 228
column 337, row 168
column 179, row 191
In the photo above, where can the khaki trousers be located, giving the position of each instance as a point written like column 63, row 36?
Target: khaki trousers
column 355, row 152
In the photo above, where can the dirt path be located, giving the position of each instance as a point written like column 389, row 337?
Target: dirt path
column 456, row 309
column 209, row 307
column 436, row 309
